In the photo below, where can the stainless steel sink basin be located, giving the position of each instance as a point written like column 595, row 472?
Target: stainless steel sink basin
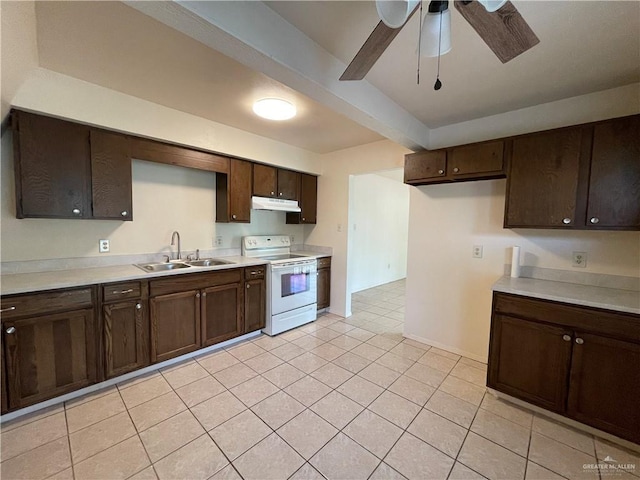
column 161, row 267
column 208, row 262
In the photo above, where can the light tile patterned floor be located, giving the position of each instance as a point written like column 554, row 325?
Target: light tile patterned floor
column 337, row 399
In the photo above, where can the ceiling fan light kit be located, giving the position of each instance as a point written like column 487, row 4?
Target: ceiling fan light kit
column 394, row 13
column 436, row 32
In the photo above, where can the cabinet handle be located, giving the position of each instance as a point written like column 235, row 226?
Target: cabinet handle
column 122, row 292
column 233, row 216
column 456, row 170
column 280, row 193
column 579, row 341
column 124, row 213
column 8, row 309
column 204, row 294
column 303, row 219
column 440, row 172
column 197, row 295
column 11, row 330
column 138, row 306
column 594, row 220
column 76, row 211
column 256, row 272
column 566, row 338
column 272, row 193
column 566, row 221
column 248, row 286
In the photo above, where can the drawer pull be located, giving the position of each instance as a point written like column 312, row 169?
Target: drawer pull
column 138, row 306
column 248, row 286
column 566, row 221
column 124, row 213
column 256, row 272
column 566, row 338
column 8, row 309
column 440, row 172
column 76, row 211
column 579, row 341
column 456, row 170
column 595, row 220
column 11, row 330
column 122, row 292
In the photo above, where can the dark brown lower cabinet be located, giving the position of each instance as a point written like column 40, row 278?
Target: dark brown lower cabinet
column 49, row 355
column 126, row 337
column 324, row 282
column 530, row 361
column 175, row 324
column 255, row 299
column 221, row 313
column 580, row 362
column 3, row 379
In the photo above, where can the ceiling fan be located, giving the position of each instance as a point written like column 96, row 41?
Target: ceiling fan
column 498, row 23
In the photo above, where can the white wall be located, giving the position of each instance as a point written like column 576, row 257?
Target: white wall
column 379, row 226
column 19, row 47
column 449, row 292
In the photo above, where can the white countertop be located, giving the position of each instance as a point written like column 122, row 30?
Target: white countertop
column 39, row 281
column 589, row 296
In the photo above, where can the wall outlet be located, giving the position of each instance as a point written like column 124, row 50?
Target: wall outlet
column 217, row 242
column 293, row 239
column 579, row 259
column 339, row 227
column 103, row 246
column 477, row 251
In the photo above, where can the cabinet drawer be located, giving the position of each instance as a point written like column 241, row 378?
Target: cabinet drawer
column 121, row 291
column 48, row 302
column 606, row 322
column 324, row 262
column 254, row 272
column 181, row 283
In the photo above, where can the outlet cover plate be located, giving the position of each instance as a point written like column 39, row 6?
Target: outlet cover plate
column 579, row 259
column 477, row 251
column 103, row 246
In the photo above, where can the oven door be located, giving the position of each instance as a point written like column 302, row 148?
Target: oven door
column 293, row 286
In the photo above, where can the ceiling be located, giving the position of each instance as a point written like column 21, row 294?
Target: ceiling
column 213, row 59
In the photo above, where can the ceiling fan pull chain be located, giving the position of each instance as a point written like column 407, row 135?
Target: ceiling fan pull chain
column 419, row 40
column 438, row 84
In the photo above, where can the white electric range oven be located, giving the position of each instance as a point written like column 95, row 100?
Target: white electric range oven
column 291, row 282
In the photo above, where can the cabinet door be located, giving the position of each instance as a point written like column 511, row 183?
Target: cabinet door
column 324, row 288
column 221, row 313
column 265, row 180
column 3, row 379
column 52, row 168
column 175, row 325
column 614, row 183
column 425, row 167
column 49, row 355
column 543, row 178
column 233, row 193
column 255, row 301
column 604, row 385
column 126, row 337
column 530, row 360
column 483, row 160
column 110, row 176
column 308, row 201
column 288, row 184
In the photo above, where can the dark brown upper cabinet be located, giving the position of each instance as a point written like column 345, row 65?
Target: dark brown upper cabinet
column 67, row 170
column 585, row 177
column 614, row 181
column 233, row 193
column 178, row 155
column 265, row 181
column 478, row 161
column 288, row 184
column 308, row 201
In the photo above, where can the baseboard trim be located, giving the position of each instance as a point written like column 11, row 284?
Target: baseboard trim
column 448, row 348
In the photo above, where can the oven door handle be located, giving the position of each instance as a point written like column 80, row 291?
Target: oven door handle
column 291, row 265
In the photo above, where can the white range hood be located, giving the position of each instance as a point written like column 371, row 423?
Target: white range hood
column 265, row 203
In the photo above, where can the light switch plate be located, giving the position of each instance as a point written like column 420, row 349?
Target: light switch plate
column 103, row 246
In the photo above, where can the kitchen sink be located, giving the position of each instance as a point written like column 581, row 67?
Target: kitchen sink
column 161, row 267
column 208, row 262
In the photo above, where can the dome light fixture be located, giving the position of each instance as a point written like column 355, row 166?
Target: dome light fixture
column 274, row 109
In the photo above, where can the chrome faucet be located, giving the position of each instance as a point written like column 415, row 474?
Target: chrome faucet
column 173, row 239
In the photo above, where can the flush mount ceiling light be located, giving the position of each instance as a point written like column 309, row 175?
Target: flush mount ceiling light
column 274, row 109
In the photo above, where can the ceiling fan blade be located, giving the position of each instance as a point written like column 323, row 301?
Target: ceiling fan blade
column 504, row 31
column 372, row 49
